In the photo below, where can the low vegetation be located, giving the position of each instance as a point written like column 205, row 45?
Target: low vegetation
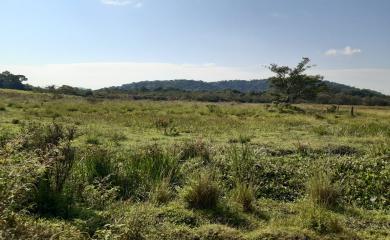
column 88, row 168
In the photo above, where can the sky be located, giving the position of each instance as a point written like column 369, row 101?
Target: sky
column 101, row 43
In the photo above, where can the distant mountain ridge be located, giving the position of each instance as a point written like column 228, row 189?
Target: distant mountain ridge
column 197, row 85
column 245, row 86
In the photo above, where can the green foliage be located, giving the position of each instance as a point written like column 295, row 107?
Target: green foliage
column 11, row 81
column 292, row 83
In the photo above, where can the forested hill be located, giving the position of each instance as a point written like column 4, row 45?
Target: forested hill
column 192, row 85
column 222, row 91
column 238, row 85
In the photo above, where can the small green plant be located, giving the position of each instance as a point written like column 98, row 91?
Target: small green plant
column 202, row 193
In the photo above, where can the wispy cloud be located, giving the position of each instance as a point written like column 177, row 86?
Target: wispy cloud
column 134, row 3
column 347, row 51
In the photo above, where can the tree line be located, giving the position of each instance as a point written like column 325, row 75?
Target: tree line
column 289, row 84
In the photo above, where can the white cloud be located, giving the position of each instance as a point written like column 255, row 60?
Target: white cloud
column 347, row 51
column 134, row 3
column 350, row 51
column 331, row 52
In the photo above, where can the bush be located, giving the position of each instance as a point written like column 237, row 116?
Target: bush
column 202, row 193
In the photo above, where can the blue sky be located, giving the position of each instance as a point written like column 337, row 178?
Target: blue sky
column 97, row 43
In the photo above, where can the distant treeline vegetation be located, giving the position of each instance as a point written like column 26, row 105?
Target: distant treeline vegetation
column 254, row 91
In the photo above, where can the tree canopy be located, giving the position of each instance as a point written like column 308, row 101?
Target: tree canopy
column 11, row 81
column 291, row 84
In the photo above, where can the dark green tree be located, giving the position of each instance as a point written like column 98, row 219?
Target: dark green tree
column 11, row 81
column 291, row 84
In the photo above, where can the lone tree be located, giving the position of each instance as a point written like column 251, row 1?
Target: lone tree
column 11, row 81
column 291, row 84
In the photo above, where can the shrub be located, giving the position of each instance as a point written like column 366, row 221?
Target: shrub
column 51, row 144
column 323, row 192
column 202, row 193
column 51, row 198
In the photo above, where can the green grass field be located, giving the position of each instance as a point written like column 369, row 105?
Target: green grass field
column 86, row 168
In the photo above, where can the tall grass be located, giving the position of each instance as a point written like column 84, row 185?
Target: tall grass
column 323, row 192
column 202, row 192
